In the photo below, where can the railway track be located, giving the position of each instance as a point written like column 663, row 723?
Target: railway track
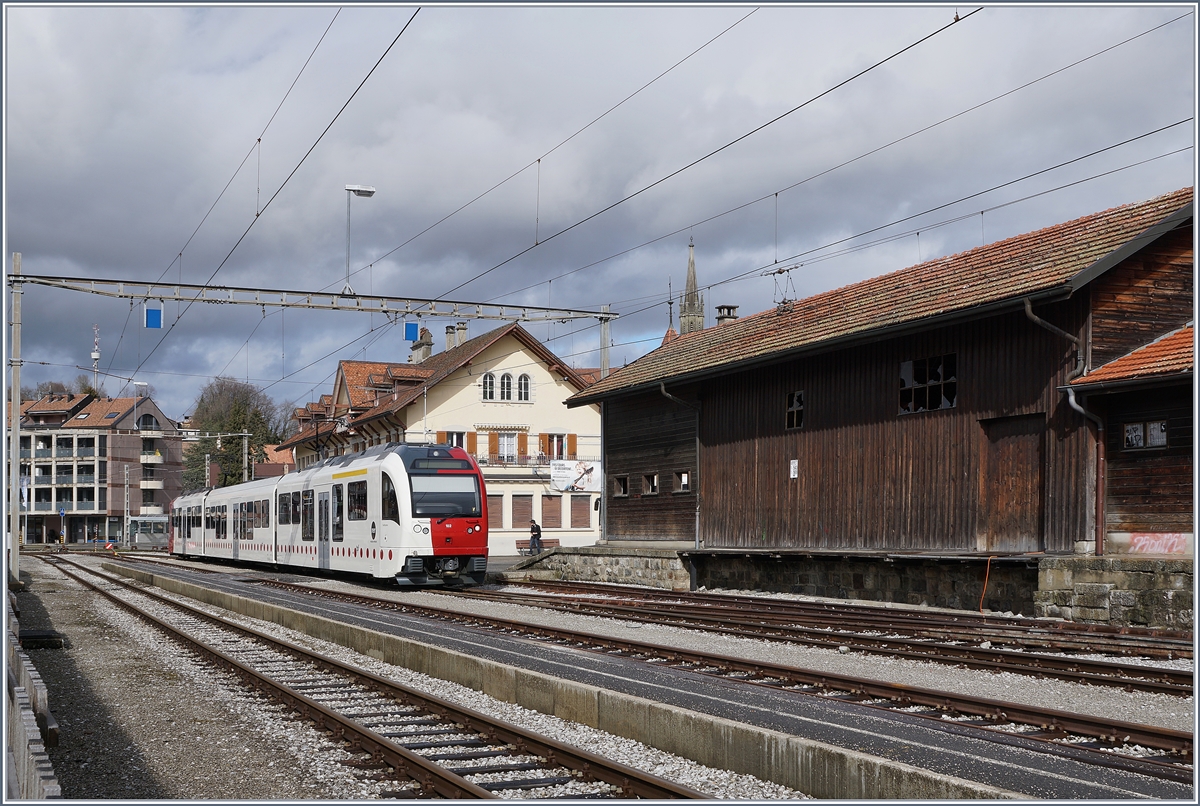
column 738, row 619
column 433, row 747
column 966, row 627
column 1143, row 749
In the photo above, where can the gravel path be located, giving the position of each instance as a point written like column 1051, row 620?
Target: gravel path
column 139, row 718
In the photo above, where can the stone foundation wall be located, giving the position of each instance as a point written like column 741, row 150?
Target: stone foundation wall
column 651, row 567
column 957, row 584
column 1117, row 590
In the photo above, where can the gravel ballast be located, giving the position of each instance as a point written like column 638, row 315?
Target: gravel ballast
column 140, row 718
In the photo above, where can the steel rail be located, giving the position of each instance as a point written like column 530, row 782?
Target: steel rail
column 430, row 776
column 1050, row 721
column 1062, row 635
column 1128, row 676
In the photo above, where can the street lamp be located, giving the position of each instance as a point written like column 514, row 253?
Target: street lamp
column 352, row 190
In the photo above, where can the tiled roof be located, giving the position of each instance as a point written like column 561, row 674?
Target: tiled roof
column 98, row 408
column 441, row 365
column 309, row 433
column 359, row 376
column 276, row 455
column 56, row 404
column 1173, row 354
column 1040, row 263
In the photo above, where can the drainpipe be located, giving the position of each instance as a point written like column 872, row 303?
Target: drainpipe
column 662, row 387
column 1077, row 406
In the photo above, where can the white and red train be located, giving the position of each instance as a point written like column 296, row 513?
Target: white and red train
column 417, row 513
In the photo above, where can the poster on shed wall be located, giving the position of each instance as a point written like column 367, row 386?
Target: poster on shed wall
column 571, row 476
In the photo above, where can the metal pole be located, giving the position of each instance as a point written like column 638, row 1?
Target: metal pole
column 14, row 455
column 347, row 288
column 125, row 534
column 245, row 454
column 604, row 340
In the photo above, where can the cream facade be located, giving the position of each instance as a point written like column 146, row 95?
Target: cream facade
column 500, row 397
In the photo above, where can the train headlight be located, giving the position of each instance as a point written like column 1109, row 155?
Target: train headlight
column 417, row 528
column 425, row 530
column 478, row 528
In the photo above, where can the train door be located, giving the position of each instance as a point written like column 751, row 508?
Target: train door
column 236, row 516
column 323, row 530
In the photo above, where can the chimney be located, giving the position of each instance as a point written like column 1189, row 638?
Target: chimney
column 450, row 337
column 726, row 313
column 422, row 347
column 462, row 332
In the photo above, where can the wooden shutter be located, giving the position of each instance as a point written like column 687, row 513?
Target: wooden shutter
column 522, row 445
column 522, row 511
column 571, row 446
column 472, row 442
column 551, row 511
column 544, row 444
column 495, row 505
column 493, row 444
column 441, row 437
column 581, row 511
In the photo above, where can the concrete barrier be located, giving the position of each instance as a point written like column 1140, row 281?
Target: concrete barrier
column 30, row 774
column 814, row 768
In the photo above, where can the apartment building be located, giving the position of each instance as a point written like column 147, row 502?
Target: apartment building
column 97, row 469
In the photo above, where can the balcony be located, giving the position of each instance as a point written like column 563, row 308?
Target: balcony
column 85, row 505
column 86, row 452
column 26, row 453
column 151, row 433
column 69, row 506
column 85, row 480
column 152, row 484
column 64, row 452
column 42, row 479
column 152, row 457
column 43, row 506
column 150, row 509
column 60, row 480
column 43, row 453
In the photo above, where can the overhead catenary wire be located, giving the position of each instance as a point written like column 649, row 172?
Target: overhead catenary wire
column 853, row 160
column 716, row 151
column 285, row 182
column 562, row 143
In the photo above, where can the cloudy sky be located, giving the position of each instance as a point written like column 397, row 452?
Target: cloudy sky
column 201, row 145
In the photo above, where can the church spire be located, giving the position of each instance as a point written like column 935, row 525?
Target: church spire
column 691, row 308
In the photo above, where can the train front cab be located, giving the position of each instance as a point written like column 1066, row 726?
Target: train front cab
column 442, row 517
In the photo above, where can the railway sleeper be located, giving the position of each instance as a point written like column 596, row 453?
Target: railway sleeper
column 528, row 783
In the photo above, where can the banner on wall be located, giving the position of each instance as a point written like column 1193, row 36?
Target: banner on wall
column 567, row 475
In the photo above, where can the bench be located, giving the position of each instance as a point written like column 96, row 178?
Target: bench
column 547, row 544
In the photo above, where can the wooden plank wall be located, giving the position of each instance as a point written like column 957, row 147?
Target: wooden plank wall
column 1143, row 298
column 649, row 433
column 1150, row 490
column 873, row 479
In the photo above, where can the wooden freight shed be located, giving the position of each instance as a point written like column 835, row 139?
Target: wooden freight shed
column 921, row 413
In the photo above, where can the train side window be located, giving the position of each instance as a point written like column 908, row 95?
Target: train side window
column 265, row 506
column 338, row 524
column 391, row 507
column 307, row 531
column 285, row 509
column 357, row 500
column 296, row 507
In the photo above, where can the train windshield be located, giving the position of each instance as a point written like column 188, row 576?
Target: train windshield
column 445, row 496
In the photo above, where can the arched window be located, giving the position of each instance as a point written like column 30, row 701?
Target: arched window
column 506, row 387
column 489, row 386
column 523, row 388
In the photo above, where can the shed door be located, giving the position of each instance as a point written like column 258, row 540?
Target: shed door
column 1011, row 487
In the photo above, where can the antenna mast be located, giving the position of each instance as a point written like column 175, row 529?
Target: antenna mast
column 96, row 359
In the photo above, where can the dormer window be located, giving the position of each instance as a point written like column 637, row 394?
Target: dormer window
column 111, row 415
column 83, row 416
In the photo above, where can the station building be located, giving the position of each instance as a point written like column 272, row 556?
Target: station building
column 499, row 396
column 937, row 435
